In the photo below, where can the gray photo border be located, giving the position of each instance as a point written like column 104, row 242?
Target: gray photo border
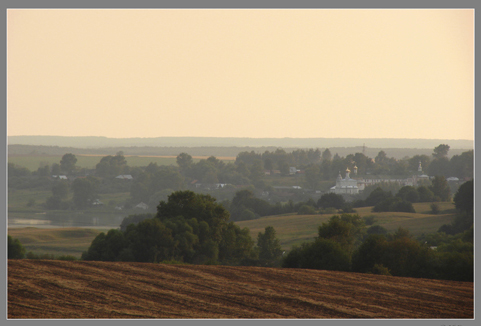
column 214, row 4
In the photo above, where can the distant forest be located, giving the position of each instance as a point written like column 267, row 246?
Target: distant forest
column 286, row 143
column 218, row 151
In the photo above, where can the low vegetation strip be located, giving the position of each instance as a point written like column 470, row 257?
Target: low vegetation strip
column 90, row 290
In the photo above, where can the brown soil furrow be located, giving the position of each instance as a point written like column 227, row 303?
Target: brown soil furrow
column 60, row 289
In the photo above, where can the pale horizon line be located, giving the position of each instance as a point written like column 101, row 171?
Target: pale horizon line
column 240, row 137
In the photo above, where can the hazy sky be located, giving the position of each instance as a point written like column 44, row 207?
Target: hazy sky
column 241, row 73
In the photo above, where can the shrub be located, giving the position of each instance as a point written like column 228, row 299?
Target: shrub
column 394, row 204
column 376, row 229
column 369, row 219
column 32, row 255
column 15, row 249
column 325, row 254
column 347, row 208
column 379, row 269
column 329, row 210
column 247, row 215
column 67, row 257
column 331, row 200
column 321, row 254
column 306, row 210
column 434, row 208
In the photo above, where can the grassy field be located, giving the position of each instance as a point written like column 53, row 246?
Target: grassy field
column 64, row 241
column 33, row 162
column 293, row 229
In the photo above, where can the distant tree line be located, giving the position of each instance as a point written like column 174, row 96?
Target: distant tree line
column 154, row 183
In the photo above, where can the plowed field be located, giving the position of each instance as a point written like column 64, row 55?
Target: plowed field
column 91, row 290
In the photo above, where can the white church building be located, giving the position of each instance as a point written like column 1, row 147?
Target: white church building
column 346, row 185
column 353, row 186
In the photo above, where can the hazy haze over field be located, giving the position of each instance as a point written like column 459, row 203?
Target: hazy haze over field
column 241, row 73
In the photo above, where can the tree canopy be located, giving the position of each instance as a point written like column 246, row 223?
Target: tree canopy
column 464, row 197
column 67, row 163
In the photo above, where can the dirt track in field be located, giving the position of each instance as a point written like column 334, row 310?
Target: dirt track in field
column 91, row 290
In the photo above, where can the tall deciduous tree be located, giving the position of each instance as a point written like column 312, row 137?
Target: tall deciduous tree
column 440, row 188
column 326, row 155
column 67, row 163
column 84, row 191
column 269, row 246
column 441, row 151
column 464, row 197
column 191, row 205
column 184, row 161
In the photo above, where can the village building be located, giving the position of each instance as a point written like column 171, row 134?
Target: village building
column 124, row 177
column 142, row 205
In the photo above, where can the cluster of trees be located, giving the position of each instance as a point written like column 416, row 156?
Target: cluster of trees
column 279, row 159
column 84, row 190
column 245, row 206
column 344, row 244
column 189, row 228
column 385, row 201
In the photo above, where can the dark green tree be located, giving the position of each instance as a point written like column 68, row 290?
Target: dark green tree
column 464, row 197
column 55, row 170
column 369, row 253
column 313, row 176
column 184, row 161
column 112, row 166
column 461, row 166
column 376, row 196
column 236, row 245
column 331, row 200
column 60, row 189
column 106, row 247
column 425, row 195
column 15, row 249
column 439, row 166
column 440, row 188
column 347, row 230
column 408, row 193
column 150, row 241
column 322, row 254
column 441, row 151
column 84, row 191
column 326, row 155
column 268, row 244
column 394, row 204
column 191, row 205
column 67, row 163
